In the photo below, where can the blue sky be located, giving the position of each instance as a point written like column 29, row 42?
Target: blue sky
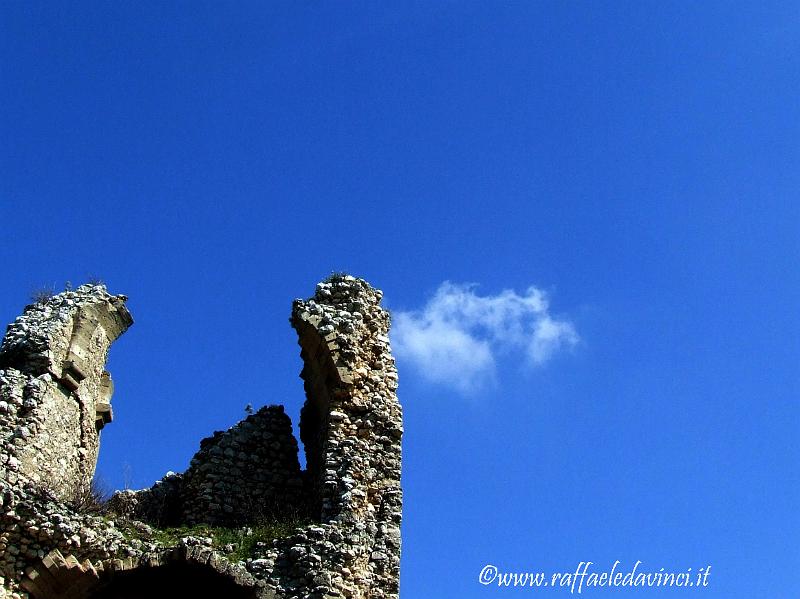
column 617, row 180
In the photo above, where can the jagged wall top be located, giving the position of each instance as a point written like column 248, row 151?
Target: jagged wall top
column 338, row 307
column 56, row 394
column 351, row 427
column 38, row 341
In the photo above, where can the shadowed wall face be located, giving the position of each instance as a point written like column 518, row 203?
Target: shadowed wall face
column 172, row 582
column 245, row 475
column 352, row 426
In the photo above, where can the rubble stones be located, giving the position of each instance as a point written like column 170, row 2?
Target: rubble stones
column 55, row 390
column 248, row 472
column 52, row 384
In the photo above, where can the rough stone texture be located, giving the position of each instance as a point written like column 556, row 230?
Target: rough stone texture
column 351, row 426
column 160, row 505
column 248, row 472
column 55, row 395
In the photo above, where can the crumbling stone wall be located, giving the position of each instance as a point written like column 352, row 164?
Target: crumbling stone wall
column 351, row 425
column 54, row 399
column 245, row 474
column 249, row 472
column 55, row 395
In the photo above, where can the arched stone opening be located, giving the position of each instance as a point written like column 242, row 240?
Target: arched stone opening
column 322, row 381
column 171, row 581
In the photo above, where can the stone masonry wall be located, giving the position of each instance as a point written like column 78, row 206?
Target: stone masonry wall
column 240, row 476
column 247, row 473
column 54, row 400
column 54, row 389
column 52, row 386
column 351, row 425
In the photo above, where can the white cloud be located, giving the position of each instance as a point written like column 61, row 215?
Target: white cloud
column 458, row 336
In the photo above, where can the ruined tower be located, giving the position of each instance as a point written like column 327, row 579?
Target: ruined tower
column 55, row 395
column 346, row 505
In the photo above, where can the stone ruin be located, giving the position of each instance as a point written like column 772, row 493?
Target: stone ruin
column 344, row 509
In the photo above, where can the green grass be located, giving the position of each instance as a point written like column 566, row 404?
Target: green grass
column 243, row 539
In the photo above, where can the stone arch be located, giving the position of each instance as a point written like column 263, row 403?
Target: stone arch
column 177, row 579
column 184, row 572
column 322, row 380
column 351, row 425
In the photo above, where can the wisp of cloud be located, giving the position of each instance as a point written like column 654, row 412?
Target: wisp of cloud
column 456, row 339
